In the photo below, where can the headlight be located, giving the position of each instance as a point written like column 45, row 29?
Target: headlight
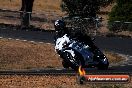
column 97, row 56
column 86, row 47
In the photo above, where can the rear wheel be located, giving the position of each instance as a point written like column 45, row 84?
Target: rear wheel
column 75, row 67
column 74, row 64
column 65, row 64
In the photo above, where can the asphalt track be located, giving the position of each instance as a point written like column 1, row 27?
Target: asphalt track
column 61, row 71
column 116, row 44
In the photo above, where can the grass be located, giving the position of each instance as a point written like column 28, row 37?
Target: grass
column 47, row 5
column 113, row 57
column 26, row 55
column 124, row 33
column 10, row 4
column 39, row 5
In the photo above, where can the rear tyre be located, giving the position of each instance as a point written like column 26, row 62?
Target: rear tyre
column 65, row 64
column 74, row 67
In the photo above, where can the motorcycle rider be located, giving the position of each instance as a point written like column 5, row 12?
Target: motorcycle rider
column 61, row 30
column 66, row 45
column 61, row 35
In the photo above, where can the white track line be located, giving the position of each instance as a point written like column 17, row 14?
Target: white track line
column 32, row 41
column 41, row 42
column 27, row 41
column 17, row 39
column 24, row 40
column 10, row 38
column 49, row 43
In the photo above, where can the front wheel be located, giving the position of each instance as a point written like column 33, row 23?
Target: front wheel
column 102, row 65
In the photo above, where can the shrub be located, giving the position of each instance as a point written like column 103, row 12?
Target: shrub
column 122, row 12
column 84, row 8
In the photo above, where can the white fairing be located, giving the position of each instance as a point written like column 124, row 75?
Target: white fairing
column 61, row 41
column 71, row 52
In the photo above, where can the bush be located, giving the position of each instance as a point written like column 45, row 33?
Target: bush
column 121, row 12
column 84, row 8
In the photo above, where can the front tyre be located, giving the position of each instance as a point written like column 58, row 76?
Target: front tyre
column 102, row 65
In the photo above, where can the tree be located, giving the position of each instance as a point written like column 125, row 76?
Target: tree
column 120, row 17
column 84, row 8
column 26, row 8
column 122, row 11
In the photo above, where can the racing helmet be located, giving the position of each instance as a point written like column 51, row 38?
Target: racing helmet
column 59, row 25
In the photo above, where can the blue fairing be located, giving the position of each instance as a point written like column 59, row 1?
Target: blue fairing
column 83, row 50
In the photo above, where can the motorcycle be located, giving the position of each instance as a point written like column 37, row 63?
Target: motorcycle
column 75, row 53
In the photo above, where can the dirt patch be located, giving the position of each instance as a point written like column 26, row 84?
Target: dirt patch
column 51, row 82
column 25, row 55
column 113, row 57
